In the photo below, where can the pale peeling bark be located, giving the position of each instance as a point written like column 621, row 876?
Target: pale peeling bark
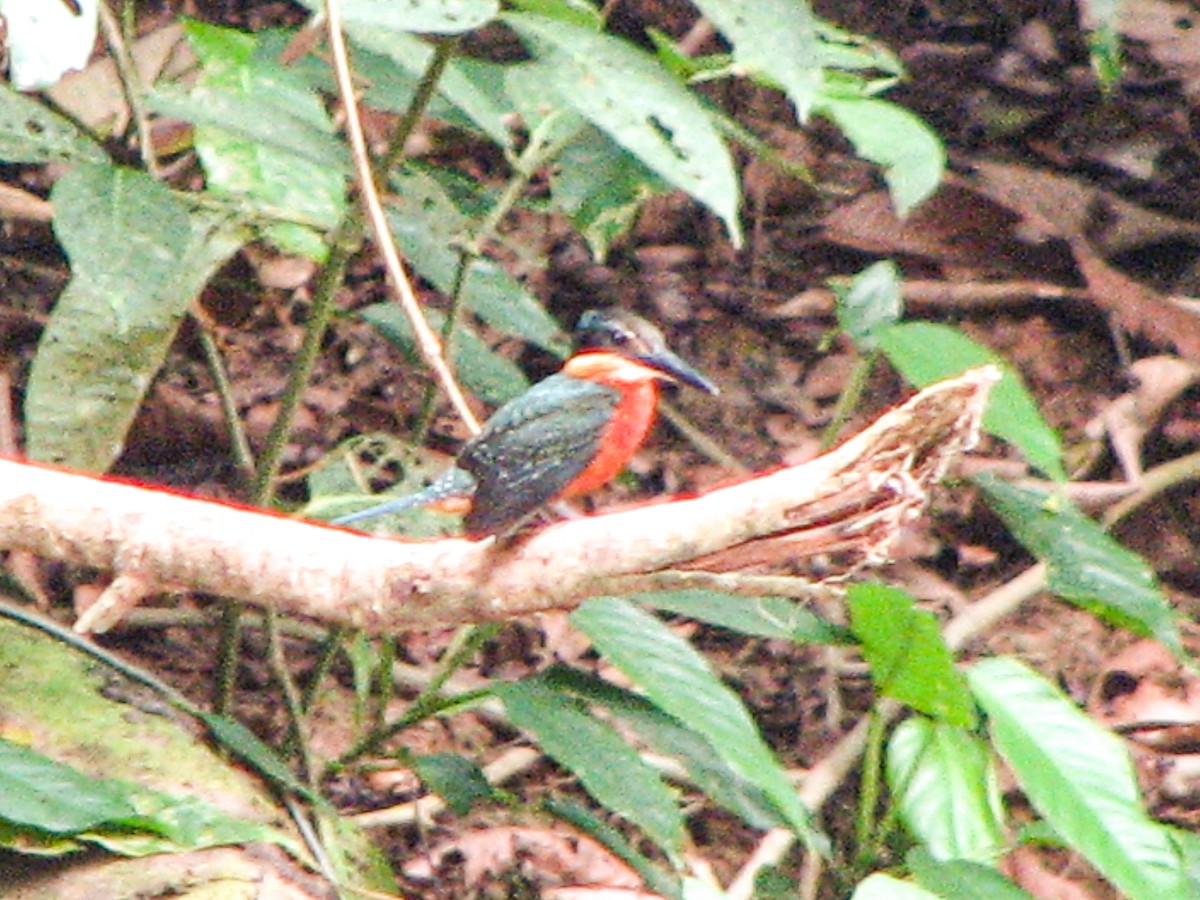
column 854, row 498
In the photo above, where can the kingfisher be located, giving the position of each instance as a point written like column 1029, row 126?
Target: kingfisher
column 566, row 436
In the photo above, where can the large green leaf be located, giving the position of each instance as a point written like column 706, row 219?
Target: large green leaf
column 610, row 770
column 430, row 229
column 668, row 736
column 944, row 783
column 139, row 255
column 247, row 93
column 485, row 373
column 40, row 793
column 1083, row 563
column 601, row 187
column 679, row 680
column 627, row 94
column 264, row 138
column 31, row 132
column 925, row 352
column 49, row 808
column 772, row 38
column 909, row 660
column 464, row 84
column 768, row 617
column 1079, row 777
column 910, row 153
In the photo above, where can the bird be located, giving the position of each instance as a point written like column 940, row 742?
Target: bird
column 564, row 437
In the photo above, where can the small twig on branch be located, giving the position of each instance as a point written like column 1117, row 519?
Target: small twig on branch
column 857, row 496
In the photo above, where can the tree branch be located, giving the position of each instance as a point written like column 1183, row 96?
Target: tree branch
column 854, row 498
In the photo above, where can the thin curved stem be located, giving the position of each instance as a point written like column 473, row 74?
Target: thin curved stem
column 428, row 343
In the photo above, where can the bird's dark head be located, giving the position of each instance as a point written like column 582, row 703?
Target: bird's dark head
column 632, row 337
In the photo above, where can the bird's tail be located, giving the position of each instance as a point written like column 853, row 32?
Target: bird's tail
column 454, row 483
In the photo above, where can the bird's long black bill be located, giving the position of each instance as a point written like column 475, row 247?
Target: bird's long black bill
column 676, row 367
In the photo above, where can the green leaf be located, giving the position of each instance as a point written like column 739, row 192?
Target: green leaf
column 249, row 748
column 41, row 801
column 841, row 49
column 463, row 85
column 1101, row 20
column 608, row 768
column 668, row 736
column 485, row 373
column 869, row 302
column 576, row 12
column 601, row 188
column 768, row 617
column 458, row 781
column 31, row 132
column 166, row 824
column 772, row 38
column 430, row 230
column 925, row 352
column 955, row 878
column 945, row 786
column 283, row 161
column 111, row 328
column 1084, row 564
column 38, row 792
column 611, row 839
column 1078, row 776
column 627, row 94
column 679, row 680
column 248, row 94
column 909, row 151
column 885, row 887
column 422, row 16
column 909, row 661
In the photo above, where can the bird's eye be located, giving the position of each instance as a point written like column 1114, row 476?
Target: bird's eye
column 621, row 338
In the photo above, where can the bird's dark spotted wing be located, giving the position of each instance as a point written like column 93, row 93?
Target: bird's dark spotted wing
column 533, row 448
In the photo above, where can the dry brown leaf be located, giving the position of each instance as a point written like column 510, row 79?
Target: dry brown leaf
column 1060, row 206
column 957, row 227
column 1137, row 307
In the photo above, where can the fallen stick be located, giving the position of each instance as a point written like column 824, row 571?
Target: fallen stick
column 854, row 498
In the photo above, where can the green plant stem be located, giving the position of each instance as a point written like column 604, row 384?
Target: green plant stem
column 417, row 712
column 325, row 659
column 537, row 152
column 242, row 454
column 296, row 742
column 385, row 684
column 869, row 791
column 463, row 646
column 443, row 52
column 345, row 242
column 849, row 399
column 229, row 651
column 118, row 36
